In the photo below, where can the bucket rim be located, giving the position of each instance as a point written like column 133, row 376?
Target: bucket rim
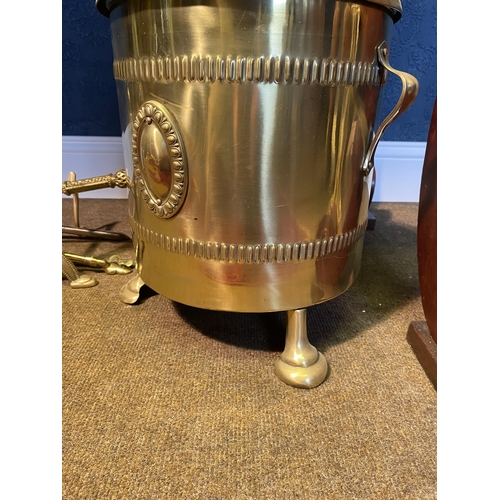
column 393, row 6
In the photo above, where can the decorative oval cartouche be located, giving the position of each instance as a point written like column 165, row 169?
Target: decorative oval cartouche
column 159, row 160
column 155, row 162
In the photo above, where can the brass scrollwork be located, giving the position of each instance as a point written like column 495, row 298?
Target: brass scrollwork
column 159, row 160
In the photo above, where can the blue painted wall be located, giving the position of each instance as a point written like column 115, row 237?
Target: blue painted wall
column 89, row 102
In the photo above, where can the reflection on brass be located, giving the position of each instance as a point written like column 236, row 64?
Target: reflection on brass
column 409, row 93
column 273, row 106
column 130, row 292
column 241, row 69
column 159, row 160
column 251, row 254
column 119, row 179
column 276, row 111
column 77, row 280
column 111, row 266
column 300, row 365
column 393, row 6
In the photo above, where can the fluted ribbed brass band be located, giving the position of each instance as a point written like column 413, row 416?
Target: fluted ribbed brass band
column 250, row 254
column 264, row 69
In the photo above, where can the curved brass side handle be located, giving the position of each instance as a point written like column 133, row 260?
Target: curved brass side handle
column 409, row 93
column 119, row 179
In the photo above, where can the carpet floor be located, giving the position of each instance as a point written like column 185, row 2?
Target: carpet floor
column 166, row 401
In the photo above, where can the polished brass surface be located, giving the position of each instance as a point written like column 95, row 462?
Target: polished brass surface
column 409, row 92
column 256, row 254
column 76, row 279
column 114, row 265
column 119, row 179
column 129, row 293
column 300, row 364
column 272, row 105
column 159, row 160
column 393, row 6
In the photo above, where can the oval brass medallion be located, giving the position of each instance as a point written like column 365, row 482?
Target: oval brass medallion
column 159, row 160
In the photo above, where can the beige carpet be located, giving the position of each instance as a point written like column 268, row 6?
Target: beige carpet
column 165, row 401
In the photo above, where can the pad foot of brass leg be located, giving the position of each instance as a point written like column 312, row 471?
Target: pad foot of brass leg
column 300, row 365
column 130, row 292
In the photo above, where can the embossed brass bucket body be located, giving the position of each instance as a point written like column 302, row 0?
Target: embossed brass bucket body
column 247, row 126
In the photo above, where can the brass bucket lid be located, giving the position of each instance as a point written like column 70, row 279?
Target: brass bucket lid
column 393, row 6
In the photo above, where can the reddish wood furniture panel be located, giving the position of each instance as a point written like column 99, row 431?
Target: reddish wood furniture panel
column 422, row 335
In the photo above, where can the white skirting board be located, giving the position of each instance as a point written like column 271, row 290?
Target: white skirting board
column 398, row 166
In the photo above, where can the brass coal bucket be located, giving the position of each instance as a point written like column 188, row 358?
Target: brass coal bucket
column 248, row 126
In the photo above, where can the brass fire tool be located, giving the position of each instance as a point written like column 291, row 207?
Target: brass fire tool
column 73, row 186
column 114, row 265
column 76, row 279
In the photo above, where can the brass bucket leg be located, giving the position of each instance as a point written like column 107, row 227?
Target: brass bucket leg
column 129, row 293
column 300, row 364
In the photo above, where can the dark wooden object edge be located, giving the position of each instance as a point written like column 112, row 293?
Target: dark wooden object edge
column 424, row 347
column 422, row 335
